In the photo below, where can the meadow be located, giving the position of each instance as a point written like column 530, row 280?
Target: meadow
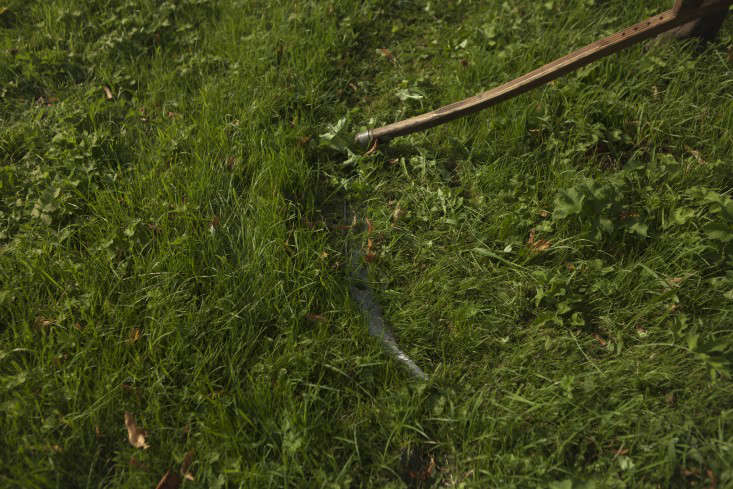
column 174, row 255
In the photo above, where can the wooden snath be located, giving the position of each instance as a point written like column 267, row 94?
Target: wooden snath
column 684, row 12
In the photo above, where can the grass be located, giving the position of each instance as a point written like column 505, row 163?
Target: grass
column 559, row 264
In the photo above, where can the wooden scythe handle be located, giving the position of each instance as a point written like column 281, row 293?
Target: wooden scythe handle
column 678, row 15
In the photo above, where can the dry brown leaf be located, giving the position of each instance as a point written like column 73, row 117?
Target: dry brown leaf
column 135, row 435
column 537, row 245
column 599, row 339
column 397, row 213
column 373, row 148
column 170, row 480
column 696, row 155
column 43, row 322
column 424, row 473
column 369, row 255
column 669, row 398
column 108, row 92
column 713, row 480
column 541, row 245
column 137, row 464
column 387, row 54
column 624, row 215
column 187, row 460
column 134, row 335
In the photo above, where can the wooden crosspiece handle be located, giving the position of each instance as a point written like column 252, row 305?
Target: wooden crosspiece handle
column 681, row 13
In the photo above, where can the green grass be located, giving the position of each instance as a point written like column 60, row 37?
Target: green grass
column 560, row 265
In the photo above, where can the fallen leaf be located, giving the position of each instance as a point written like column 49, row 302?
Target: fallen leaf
column 369, row 255
column 544, row 213
column 696, row 155
column 43, row 322
column 424, row 473
column 674, row 280
column 303, row 140
column 541, row 245
column 323, row 255
column 397, row 213
column 373, row 148
column 135, row 435
column 108, row 92
column 370, row 226
column 599, row 339
column 628, row 215
column 537, row 245
column 669, row 398
column 386, row 53
column 170, row 480
column 713, row 480
column 187, row 460
column 134, row 335
column 137, row 464
column 231, row 162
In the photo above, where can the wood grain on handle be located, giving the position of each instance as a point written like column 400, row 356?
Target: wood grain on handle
column 650, row 27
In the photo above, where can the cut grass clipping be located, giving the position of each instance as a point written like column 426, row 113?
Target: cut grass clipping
column 174, row 264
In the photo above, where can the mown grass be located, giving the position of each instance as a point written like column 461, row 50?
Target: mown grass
column 559, row 265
